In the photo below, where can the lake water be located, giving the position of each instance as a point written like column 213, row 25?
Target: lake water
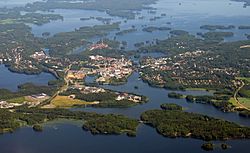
column 10, row 80
column 66, row 138
column 15, row 3
column 69, row 137
column 158, row 96
column 189, row 16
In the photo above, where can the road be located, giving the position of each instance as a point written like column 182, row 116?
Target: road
column 236, row 98
column 64, row 87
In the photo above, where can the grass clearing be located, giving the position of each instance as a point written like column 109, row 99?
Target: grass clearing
column 197, row 89
column 233, row 102
column 66, row 102
column 244, row 79
column 7, row 21
column 245, row 102
column 18, row 100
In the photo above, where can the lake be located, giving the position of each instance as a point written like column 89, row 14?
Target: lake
column 189, row 16
column 10, row 80
column 68, row 137
column 158, row 96
column 15, row 3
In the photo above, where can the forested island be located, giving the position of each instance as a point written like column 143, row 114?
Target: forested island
column 217, row 27
column 106, row 124
column 123, row 9
column 202, row 61
column 123, row 32
column 247, row 2
column 152, row 29
column 176, row 123
column 170, row 122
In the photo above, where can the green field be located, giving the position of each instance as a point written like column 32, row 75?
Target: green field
column 245, row 102
column 233, row 102
column 66, row 102
column 7, row 21
column 197, row 89
column 17, row 100
column 244, row 78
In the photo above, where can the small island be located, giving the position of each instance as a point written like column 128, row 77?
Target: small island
column 170, row 106
column 244, row 27
column 207, row 146
column 123, row 32
column 38, row 128
column 217, row 27
column 152, row 29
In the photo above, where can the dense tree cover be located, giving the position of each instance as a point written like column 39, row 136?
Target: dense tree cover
column 96, row 123
column 217, row 27
column 170, row 106
column 123, row 32
column 178, row 32
column 116, row 104
column 111, row 124
column 244, row 113
column 13, row 35
column 14, row 69
column 118, row 81
column 6, row 94
column 216, row 36
column 184, row 124
column 152, row 29
column 29, row 88
column 14, row 16
column 219, row 101
column 245, row 91
column 224, row 146
column 105, row 99
column 25, row 90
column 8, row 121
column 244, row 27
column 172, row 44
column 175, row 95
column 38, row 128
column 207, row 146
column 90, row 97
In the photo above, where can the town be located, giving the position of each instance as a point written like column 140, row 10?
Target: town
column 111, row 70
column 107, row 69
column 189, row 69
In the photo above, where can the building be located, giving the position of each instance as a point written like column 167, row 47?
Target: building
column 98, row 46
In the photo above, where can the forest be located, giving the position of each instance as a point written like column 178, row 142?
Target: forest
column 107, row 124
column 176, row 123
